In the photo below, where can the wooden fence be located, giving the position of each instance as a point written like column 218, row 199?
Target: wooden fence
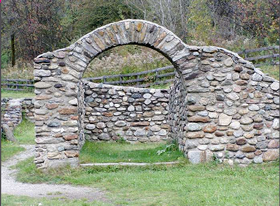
column 17, row 84
column 262, row 56
column 160, row 76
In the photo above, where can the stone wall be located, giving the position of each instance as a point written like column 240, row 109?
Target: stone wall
column 11, row 110
column 220, row 104
column 27, row 105
column 231, row 110
column 4, row 102
column 135, row 114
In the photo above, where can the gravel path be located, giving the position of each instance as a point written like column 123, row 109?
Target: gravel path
column 10, row 186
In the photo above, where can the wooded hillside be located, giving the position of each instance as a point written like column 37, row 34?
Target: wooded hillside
column 31, row 27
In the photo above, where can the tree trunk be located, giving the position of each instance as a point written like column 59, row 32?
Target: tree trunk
column 13, row 49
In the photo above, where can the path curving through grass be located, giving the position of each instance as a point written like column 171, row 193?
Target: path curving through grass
column 10, row 186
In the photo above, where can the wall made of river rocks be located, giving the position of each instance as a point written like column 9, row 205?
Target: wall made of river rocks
column 220, row 105
column 12, row 109
column 27, row 105
column 230, row 110
column 134, row 114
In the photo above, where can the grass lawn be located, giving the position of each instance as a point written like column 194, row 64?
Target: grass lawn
column 185, row 184
column 16, row 94
column 9, row 200
column 93, row 152
column 9, row 149
column 25, row 132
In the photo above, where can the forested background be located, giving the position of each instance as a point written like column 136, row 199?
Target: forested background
column 31, row 27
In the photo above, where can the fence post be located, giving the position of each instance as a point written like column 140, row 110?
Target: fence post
column 245, row 54
column 156, row 76
column 274, row 56
column 137, row 82
column 120, row 80
column 17, row 83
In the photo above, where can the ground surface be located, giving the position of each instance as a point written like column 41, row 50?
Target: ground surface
column 16, row 94
column 184, row 184
column 8, row 149
column 12, row 187
column 28, row 136
column 96, row 152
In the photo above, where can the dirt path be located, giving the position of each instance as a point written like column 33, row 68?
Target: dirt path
column 10, row 186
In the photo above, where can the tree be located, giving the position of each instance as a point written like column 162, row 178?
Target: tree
column 171, row 14
column 95, row 13
column 35, row 25
column 260, row 18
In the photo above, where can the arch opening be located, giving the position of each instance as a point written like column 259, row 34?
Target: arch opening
column 125, row 108
column 211, row 87
column 71, row 63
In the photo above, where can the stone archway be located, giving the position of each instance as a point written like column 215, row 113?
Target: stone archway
column 209, row 90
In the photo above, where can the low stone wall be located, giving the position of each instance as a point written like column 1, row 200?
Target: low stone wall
column 4, row 102
column 135, row 114
column 28, row 108
column 11, row 110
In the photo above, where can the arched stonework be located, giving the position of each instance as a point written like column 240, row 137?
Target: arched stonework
column 219, row 105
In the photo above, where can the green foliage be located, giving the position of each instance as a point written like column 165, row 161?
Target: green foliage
column 46, row 26
column 36, row 26
column 5, row 59
column 3, row 135
column 121, row 140
column 215, row 158
column 200, row 22
column 97, row 13
column 169, row 147
column 260, row 18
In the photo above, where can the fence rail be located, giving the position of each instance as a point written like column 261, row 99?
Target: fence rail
column 154, row 75
column 17, row 84
column 259, row 56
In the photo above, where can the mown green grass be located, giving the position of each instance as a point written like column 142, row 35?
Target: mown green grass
column 9, row 149
column 186, row 184
column 16, row 94
column 10, row 200
column 25, row 132
column 116, row 152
